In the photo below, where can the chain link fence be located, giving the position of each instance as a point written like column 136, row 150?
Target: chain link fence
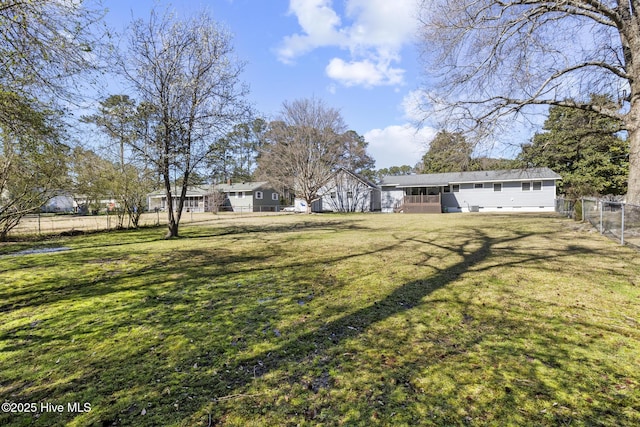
column 55, row 224
column 618, row 220
column 566, row 207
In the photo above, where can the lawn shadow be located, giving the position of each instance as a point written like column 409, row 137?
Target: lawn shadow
column 474, row 253
column 193, row 264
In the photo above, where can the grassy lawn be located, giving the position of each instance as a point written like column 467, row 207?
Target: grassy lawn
column 461, row 319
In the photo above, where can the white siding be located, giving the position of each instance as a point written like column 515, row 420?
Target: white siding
column 347, row 193
column 390, row 198
column 511, row 198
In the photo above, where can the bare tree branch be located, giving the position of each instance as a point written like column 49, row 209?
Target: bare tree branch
column 304, row 148
column 494, row 60
column 185, row 73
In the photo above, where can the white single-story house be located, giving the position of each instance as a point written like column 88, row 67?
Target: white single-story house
column 346, row 191
column 63, row 202
column 66, row 202
column 520, row 190
column 234, row 197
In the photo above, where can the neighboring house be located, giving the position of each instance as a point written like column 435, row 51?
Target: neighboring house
column 60, row 203
column 235, row 197
column 521, row 190
column 83, row 205
column 66, row 202
column 249, row 197
column 345, row 191
column 196, row 200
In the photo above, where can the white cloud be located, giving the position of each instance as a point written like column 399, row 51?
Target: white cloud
column 398, row 145
column 319, row 23
column 414, row 104
column 376, row 32
column 364, row 73
column 382, row 24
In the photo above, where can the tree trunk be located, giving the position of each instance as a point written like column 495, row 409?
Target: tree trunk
column 632, row 120
column 172, row 224
column 633, row 187
column 172, row 230
column 630, row 39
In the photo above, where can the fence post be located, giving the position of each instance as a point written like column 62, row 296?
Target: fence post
column 601, row 223
column 622, row 227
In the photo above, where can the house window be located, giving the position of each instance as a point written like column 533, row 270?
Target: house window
column 349, row 194
column 232, row 194
column 446, row 189
column 526, row 186
column 537, row 185
column 455, row 188
column 259, row 195
column 333, row 194
column 240, row 195
column 497, row 187
column 275, row 196
column 478, row 185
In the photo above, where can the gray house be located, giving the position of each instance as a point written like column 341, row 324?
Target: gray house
column 249, row 197
column 521, row 190
column 234, row 197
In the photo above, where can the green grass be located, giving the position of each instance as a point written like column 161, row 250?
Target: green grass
column 326, row 320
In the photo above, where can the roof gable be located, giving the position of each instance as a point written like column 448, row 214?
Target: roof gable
column 355, row 176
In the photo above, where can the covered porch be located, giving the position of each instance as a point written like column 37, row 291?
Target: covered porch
column 423, row 203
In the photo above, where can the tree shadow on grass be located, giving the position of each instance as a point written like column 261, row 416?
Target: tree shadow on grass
column 190, row 261
column 319, row 346
column 231, row 372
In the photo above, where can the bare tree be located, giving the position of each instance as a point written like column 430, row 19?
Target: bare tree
column 186, row 76
column 215, row 200
column 303, row 148
column 496, row 59
column 122, row 121
column 32, row 164
column 45, row 47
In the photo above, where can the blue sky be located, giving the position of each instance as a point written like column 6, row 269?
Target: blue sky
column 359, row 56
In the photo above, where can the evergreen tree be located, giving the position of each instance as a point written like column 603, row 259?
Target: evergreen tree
column 235, row 155
column 448, row 152
column 585, row 148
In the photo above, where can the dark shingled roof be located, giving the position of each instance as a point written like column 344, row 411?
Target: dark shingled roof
column 438, row 179
column 208, row 189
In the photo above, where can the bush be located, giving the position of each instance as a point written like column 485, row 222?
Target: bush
column 577, row 210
